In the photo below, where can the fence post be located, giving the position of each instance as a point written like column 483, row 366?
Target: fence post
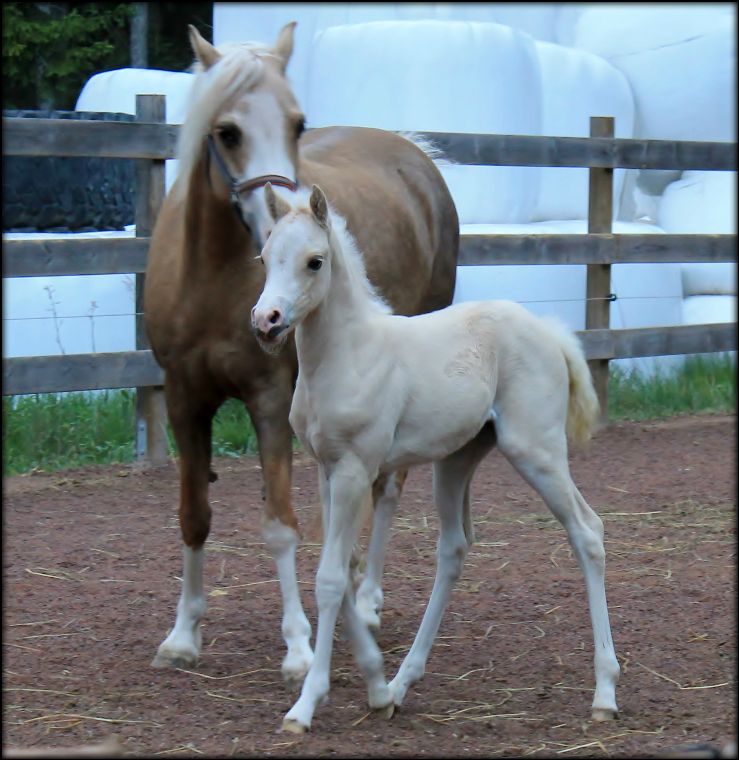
column 598, row 291
column 151, row 409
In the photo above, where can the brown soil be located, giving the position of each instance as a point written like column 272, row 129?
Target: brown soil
column 91, row 560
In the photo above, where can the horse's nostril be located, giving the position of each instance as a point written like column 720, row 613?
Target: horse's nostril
column 274, row 317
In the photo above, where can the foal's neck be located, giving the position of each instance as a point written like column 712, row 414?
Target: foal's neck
column 334, row 325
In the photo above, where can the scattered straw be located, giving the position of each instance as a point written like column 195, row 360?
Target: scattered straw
column 40, row 691
column 60, row 575
column 226, row 678
column 182, row 748
column 67, row 716
column 679, row 685
column 37, row 622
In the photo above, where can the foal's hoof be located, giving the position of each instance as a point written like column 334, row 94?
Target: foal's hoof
column 293, row 727
column 173, row 660
column 386, row 712
column 601, row 714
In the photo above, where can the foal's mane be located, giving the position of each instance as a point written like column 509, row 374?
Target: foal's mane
column 346, row 253
column 240, row 68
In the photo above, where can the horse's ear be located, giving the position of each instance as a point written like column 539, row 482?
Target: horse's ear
column 276, row 206
column 204, row 51
column 283, row 48
column 319, row 206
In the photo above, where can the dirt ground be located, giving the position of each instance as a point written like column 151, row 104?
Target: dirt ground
column 91, row 561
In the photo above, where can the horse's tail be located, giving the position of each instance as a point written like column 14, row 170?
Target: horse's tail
column 583, row 407
column 435, row 153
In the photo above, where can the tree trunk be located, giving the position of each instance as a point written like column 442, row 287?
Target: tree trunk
column 140, row 36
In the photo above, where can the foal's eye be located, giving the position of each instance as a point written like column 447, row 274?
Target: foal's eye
column 315, row 263
column 230, row 136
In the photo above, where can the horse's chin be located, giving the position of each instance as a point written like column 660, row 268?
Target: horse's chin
column 273, row 346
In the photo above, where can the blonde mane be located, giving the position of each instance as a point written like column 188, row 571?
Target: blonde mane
column 240, row 68
column 350, row 258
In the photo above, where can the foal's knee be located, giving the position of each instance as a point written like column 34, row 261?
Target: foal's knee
column 450, row 558
column 330, row 588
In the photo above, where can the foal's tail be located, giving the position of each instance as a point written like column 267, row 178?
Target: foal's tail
column 583, row 406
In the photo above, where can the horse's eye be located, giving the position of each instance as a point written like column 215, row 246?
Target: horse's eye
column 299, row 127
column 315, row 263
column 230, row 136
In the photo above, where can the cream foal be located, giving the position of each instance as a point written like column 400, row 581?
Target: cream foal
column 377, row 392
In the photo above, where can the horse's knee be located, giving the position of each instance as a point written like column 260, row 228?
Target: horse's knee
column 195, row 526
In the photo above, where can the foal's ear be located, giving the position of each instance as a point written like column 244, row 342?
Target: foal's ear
column 283, row 48
column 276, row 206
column 204, row 51
column 319, row 206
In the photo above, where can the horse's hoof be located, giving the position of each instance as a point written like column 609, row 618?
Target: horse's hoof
column 601, row 714
column 293, row 727
column 171, row 660
column 386, row 712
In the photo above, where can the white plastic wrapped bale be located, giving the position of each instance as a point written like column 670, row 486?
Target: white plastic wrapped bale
column 452, row 76
column 115, row 91
column 647, row 295
column 704, row 202
column 48, row 316
column 680, row 59
column 242, row 22
column 575, row 86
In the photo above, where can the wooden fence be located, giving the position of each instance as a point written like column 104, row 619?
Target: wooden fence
column 151, row 142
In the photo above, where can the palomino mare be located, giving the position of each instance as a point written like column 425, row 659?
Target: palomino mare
column 243, row 128
column 377, row 391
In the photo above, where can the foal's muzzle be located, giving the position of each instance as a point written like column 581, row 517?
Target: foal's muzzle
column 270, row 328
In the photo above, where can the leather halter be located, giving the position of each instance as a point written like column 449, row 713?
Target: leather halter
column 237, row 187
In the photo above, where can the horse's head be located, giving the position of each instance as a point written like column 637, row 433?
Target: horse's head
column 297, row 261
column 244, row 111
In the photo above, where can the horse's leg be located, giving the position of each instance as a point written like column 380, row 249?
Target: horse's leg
column 192, row 430
column 269, row 413
column 452, row 477
column 385, row 494
column 344, row 491
column 541, row 458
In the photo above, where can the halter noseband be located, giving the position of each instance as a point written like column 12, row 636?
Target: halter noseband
column 236, row 187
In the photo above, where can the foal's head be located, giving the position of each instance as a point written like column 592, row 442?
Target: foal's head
column 298, row 266
column 243, row 112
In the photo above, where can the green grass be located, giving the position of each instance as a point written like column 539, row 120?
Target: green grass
column 703, row 384
column 57, row 431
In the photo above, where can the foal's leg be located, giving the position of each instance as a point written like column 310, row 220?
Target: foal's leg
column 385, row 494
column 192, row 430
column 269, row 413
column 541, row 458
column 452, row 477
column 346, row 489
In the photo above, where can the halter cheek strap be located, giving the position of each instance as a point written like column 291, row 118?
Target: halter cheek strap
column 236, row 188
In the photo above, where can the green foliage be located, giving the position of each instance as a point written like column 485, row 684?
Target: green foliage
column 57, row 431
column 50, row 50
column 703, row 384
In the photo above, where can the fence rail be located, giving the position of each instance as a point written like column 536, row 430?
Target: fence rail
column 151, row 142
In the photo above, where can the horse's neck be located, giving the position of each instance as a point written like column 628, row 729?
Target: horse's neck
column 213, row 232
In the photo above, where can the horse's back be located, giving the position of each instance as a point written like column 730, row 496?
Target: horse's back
column 397, row 206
